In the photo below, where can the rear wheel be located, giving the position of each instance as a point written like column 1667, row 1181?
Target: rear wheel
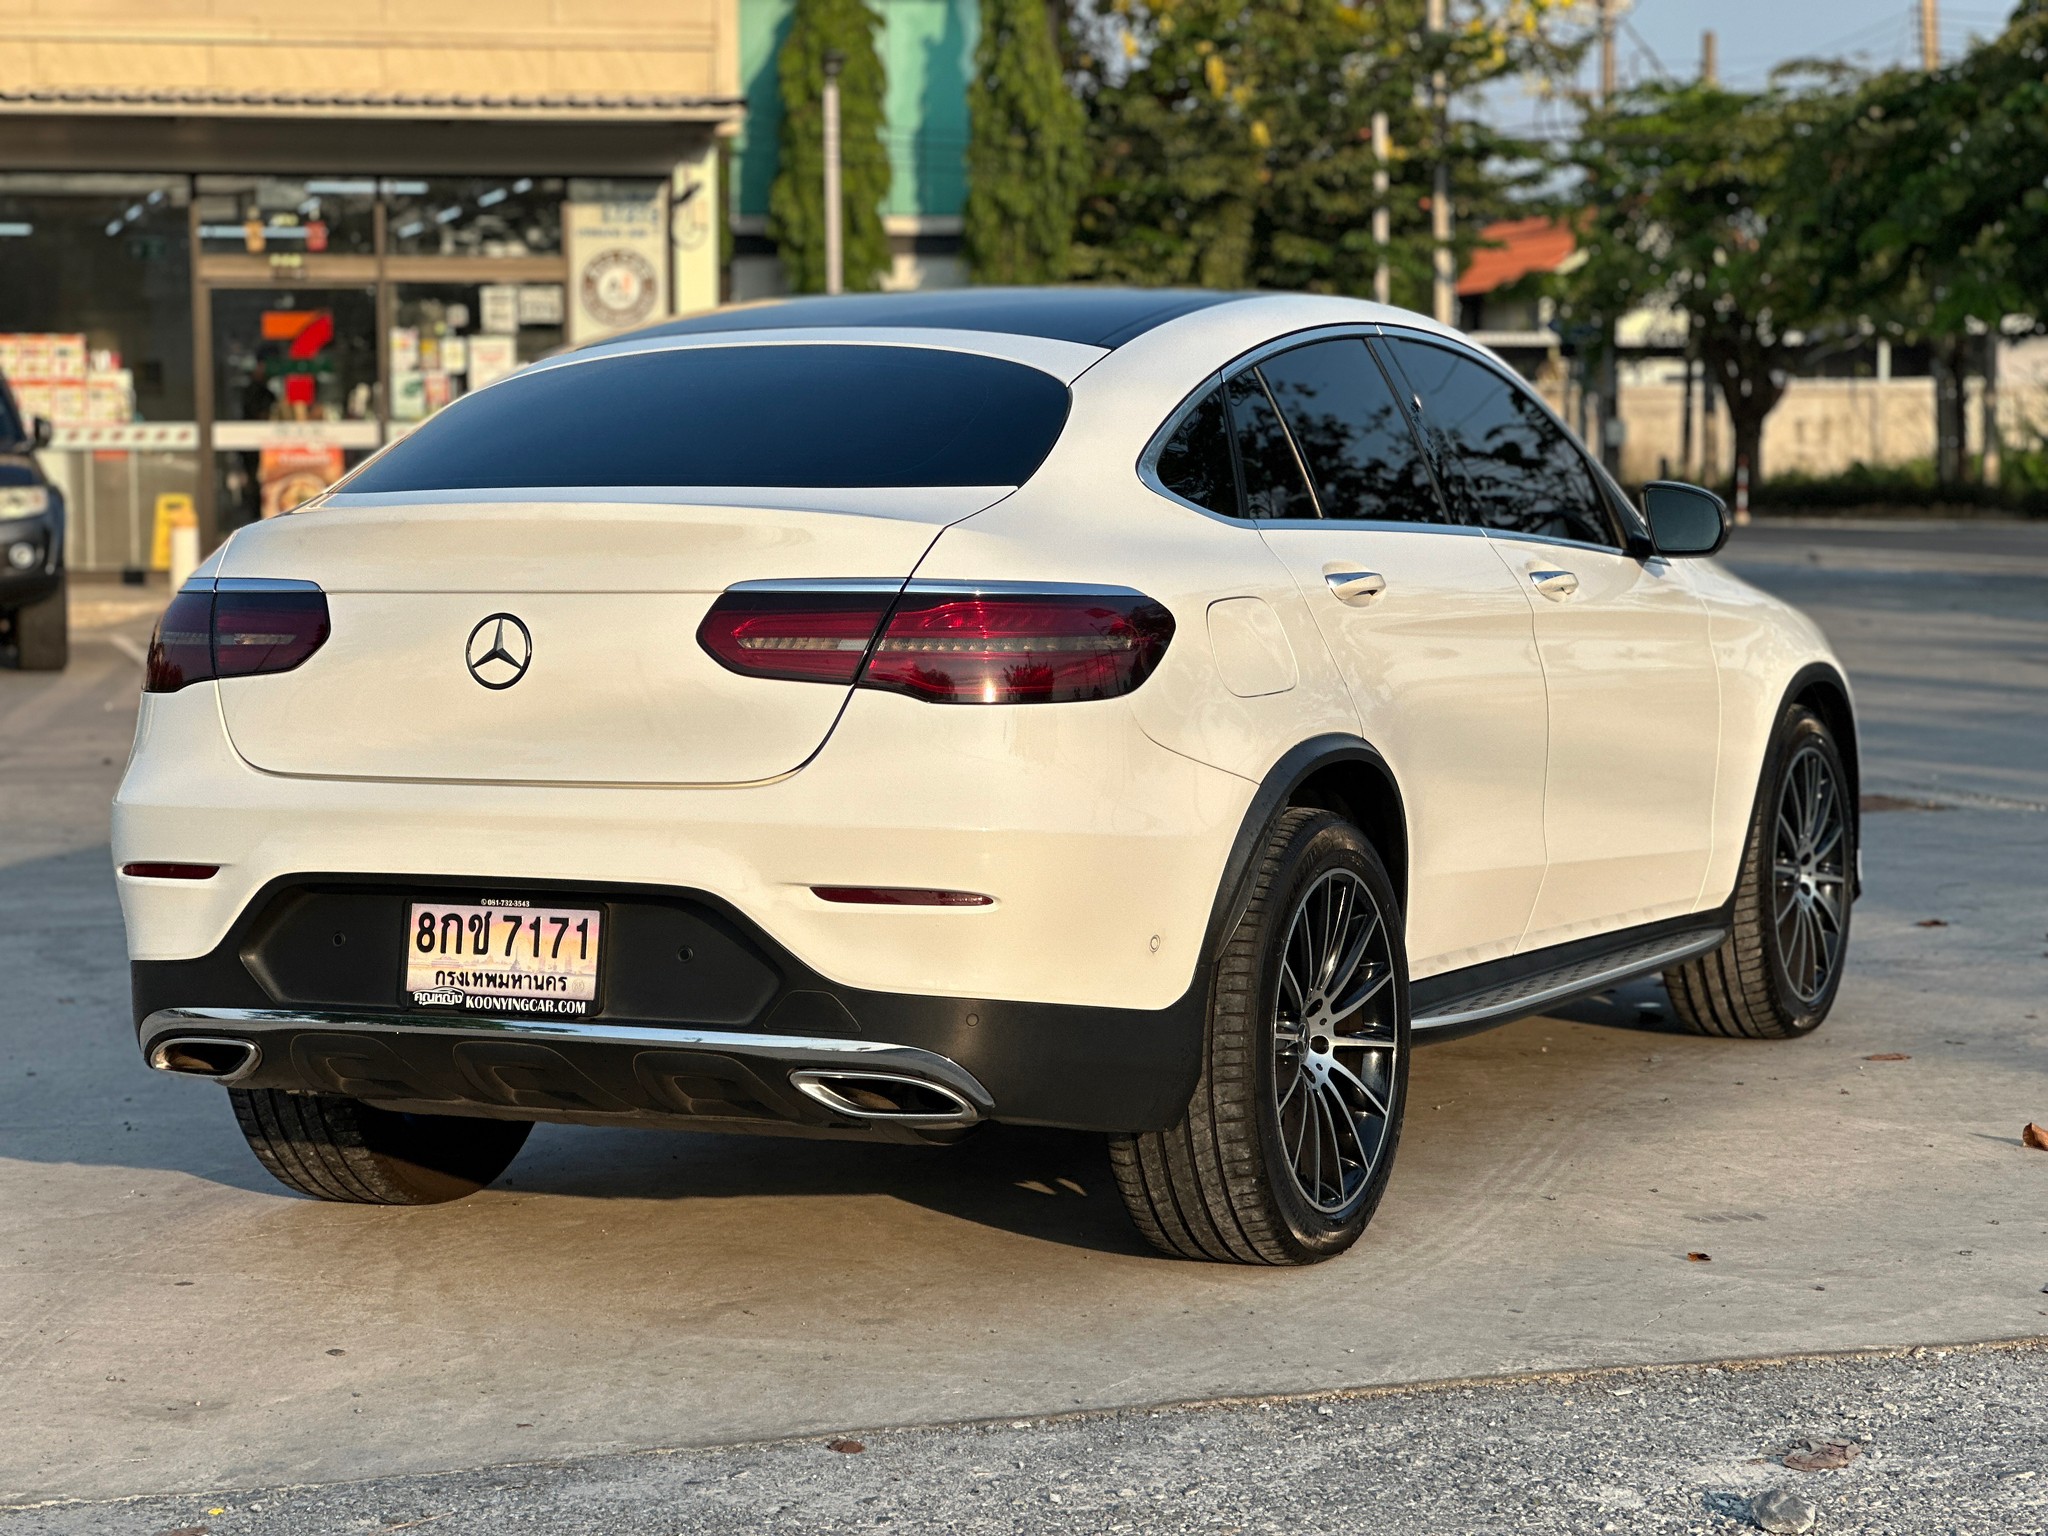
column 42, row 633
column 334, row 1148
column 1286, row 1146
column 1777, row 974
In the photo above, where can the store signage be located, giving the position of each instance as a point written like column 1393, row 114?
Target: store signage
column 616, row 237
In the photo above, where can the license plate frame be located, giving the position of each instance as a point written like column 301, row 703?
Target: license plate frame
column 503, row 955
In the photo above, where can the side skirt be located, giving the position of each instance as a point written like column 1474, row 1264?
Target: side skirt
column 1464, row 1002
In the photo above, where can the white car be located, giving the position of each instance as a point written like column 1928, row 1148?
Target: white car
column 1138, row 712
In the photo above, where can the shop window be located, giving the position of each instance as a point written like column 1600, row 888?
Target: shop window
column 96, row 298
column 475, row 216
column 450, row 338
column 287, row 216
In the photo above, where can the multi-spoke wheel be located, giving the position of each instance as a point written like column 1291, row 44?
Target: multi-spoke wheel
column 1288, row 1141
column 1335, row 1047
column 1778, row 972
column 1809, row 878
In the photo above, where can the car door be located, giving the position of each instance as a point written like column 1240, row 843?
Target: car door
column 1634, row 696
column 1430, row 631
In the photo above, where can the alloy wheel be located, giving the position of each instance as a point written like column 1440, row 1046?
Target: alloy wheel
column 1810, row 878
column 1335, row 1045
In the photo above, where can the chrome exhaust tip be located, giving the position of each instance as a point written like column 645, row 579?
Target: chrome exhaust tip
column 885, row 1096
column 209, row 1056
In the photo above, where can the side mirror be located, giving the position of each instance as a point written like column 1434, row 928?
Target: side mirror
column 1684, row 519
column 39, row 432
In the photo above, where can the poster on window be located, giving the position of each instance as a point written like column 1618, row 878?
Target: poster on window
column 294, row 473
column 616, row 236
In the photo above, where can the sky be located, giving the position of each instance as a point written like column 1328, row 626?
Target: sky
column 1662, row 38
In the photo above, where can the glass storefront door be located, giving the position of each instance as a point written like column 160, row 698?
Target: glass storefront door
column 295, row 394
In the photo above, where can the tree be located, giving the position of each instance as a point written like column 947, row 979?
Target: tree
column 1697, row 204
column 796, row 198
column 1026, row 150
column 1236, row 147
column 1931, row 207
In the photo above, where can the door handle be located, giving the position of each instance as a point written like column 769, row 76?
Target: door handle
column 1555, row 585
column 1356, row 586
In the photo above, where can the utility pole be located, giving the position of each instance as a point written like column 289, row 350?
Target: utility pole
column 1610, row 13
column 1710, row 60
column 835, row 202
column 1382, row 219
column 1608, row 417
column 1930, row 35
column 1443, row 264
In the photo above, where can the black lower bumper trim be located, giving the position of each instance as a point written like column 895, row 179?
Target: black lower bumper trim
column 327, row 950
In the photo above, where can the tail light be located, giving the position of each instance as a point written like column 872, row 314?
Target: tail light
column 993, row 645
column 238, row 628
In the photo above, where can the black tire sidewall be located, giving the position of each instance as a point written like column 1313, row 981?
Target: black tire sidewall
column 1322, row 845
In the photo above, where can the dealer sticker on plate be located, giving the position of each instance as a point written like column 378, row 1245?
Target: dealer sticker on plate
column 502, row 956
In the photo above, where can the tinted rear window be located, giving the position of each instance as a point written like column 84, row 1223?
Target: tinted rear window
column 798, row 415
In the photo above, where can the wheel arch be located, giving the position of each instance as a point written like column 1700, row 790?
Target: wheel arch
column 1339, row 773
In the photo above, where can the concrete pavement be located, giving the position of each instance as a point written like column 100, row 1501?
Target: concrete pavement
column 171, row 1321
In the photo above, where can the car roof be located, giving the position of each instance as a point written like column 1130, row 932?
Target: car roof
column 1096, row 317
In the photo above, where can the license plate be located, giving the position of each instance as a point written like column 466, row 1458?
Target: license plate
column 502, row 956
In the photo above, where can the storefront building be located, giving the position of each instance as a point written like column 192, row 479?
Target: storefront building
column 237, row 257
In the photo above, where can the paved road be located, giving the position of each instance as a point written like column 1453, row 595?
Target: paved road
column 171, row 1322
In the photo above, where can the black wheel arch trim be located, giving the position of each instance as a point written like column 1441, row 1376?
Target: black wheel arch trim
column 1276, row 792
column 1824, row 684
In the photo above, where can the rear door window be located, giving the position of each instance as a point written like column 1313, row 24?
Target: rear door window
column 1352, row 434
column 795, row 415
column 1273, row 482
column 1520, row 470
column 1196, row 463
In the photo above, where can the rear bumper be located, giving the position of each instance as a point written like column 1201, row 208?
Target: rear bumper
column 704, row 1021
column 1102, row 851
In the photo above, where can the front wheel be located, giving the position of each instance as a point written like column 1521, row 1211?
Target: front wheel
column 1286, row 1146
column 334, row 1148
column 42, row 633
column 1776, row 975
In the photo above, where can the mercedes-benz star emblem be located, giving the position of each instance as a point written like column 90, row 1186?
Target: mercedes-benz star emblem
column 500, row 650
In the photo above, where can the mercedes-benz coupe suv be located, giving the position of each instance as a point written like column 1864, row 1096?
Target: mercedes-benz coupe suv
column 1148, row 713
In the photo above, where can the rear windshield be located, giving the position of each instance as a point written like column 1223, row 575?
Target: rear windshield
column 799, row 415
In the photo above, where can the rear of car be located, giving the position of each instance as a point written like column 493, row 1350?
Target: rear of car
column 33, row 620
column 607, row 751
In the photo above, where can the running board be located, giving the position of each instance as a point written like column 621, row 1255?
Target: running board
column 1465, row 1002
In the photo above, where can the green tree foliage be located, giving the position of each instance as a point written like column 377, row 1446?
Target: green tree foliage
column 1026, row 150
column 1233, row 143
column 1931, row 210
column 1697, row 204
column 796, row 199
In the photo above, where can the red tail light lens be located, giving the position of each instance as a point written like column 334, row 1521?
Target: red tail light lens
column 235, row 631
column 946, row 647
column 807, row 637
column 181, row 650
column 1026, row 648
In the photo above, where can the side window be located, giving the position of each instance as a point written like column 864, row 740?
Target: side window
column 1196, row 464
column 1351, row 430
column 1522, row 472
column 1273, row 486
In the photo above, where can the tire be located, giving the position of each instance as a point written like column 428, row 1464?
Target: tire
column 340, row 1149
column 42, row 633
column 1777, row 974
column 1229, row 1182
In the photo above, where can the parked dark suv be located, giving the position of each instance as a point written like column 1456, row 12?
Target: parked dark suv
column 33, row 621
